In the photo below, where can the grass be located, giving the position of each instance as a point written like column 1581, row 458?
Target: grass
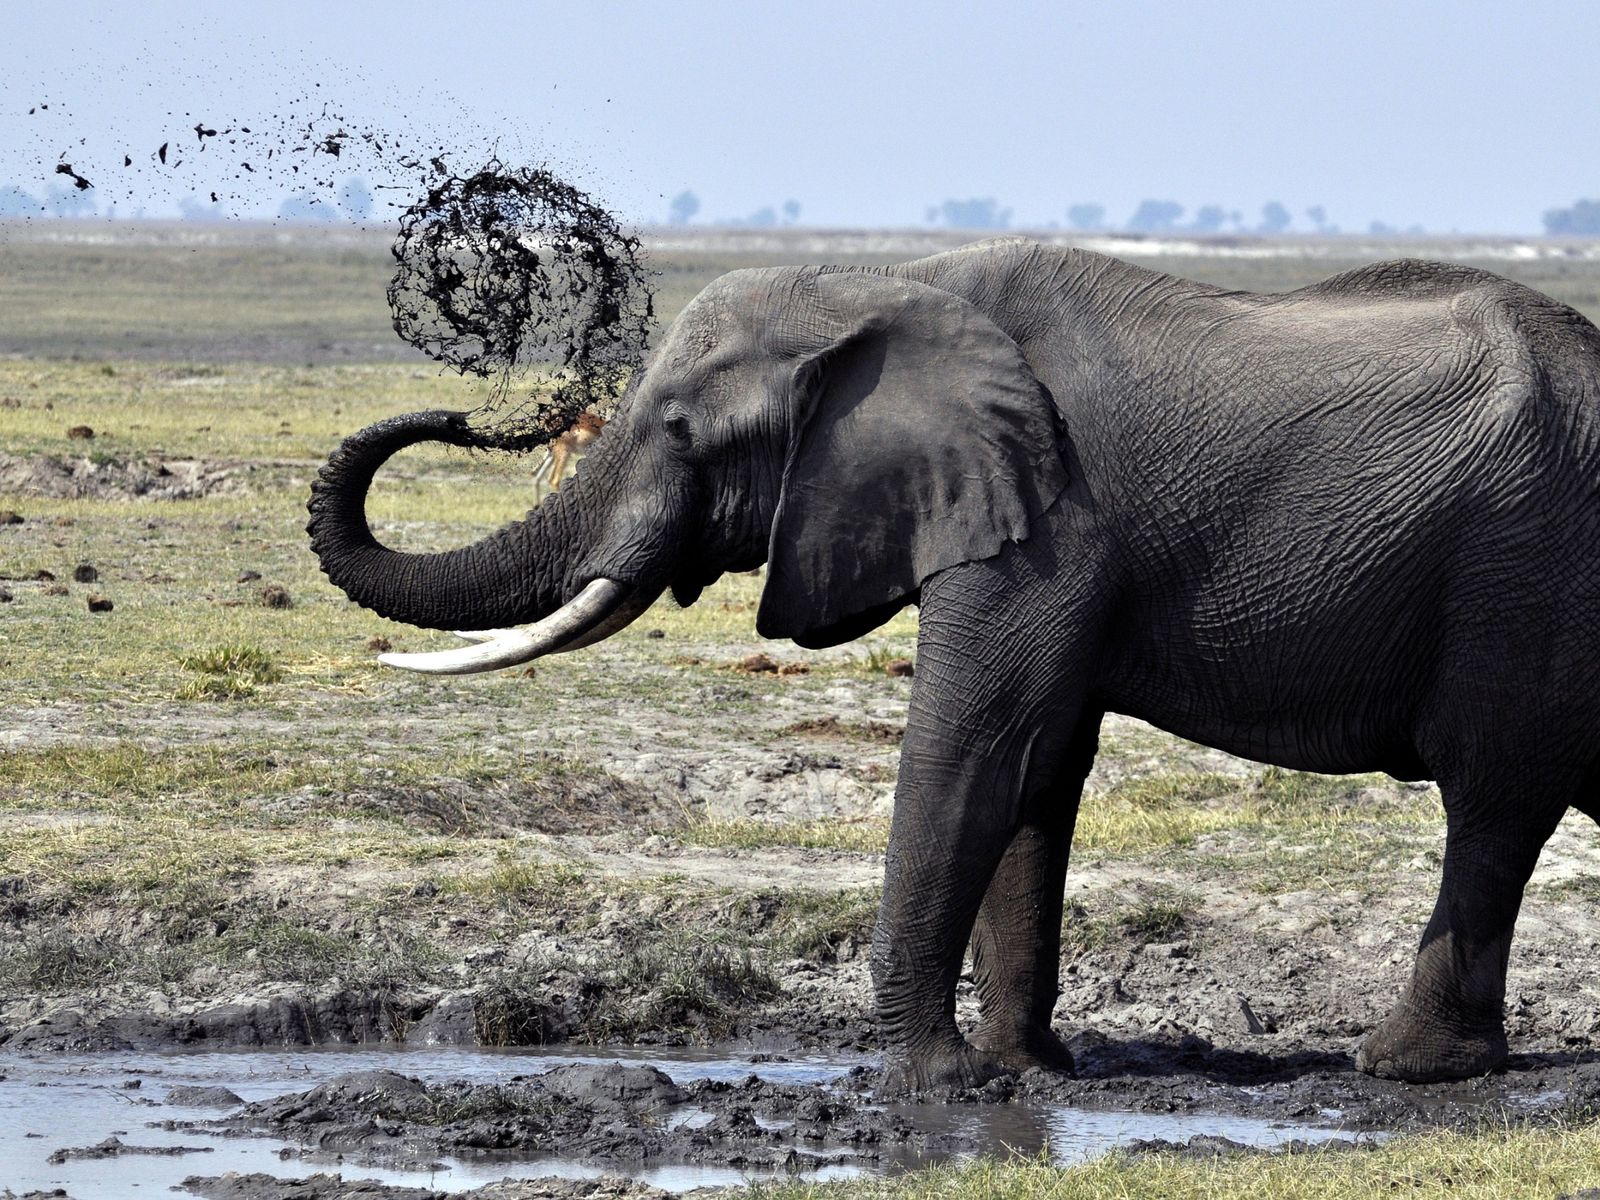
column 674, row 979
column 1173, row 809
column 227, row 673
column 241, row 941
column 1154, row 912
column 865, row 836
column 1483, row 1165
column 127, row 771
column 823, row 926
column 1140, row 815
column 510, row 884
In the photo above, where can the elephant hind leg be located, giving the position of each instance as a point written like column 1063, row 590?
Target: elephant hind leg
column 1449, row 1023
column 1016, row 943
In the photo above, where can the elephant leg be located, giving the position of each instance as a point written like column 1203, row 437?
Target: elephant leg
column 1449, row 1023
column 991, row 718
column 1016, row 944
column 935, row 875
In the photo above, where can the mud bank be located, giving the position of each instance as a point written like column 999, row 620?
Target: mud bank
column 258, row 1186
column 608, row 1115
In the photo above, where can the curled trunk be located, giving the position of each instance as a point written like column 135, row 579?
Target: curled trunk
column 511, row 576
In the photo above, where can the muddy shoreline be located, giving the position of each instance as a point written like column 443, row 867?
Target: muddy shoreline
column 529, row 1119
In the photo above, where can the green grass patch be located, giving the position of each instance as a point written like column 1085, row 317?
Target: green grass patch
column 1155, row 912
column 1482, row 1165
column 1140, row 815
column 126, row 771
column 227, row 673
column 1158, row 811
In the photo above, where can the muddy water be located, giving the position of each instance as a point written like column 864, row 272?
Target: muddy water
column 70, row 1101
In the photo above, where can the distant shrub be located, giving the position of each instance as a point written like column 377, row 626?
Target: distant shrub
column 1581, row 219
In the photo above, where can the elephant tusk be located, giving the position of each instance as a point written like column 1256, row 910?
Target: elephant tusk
column 496, row 648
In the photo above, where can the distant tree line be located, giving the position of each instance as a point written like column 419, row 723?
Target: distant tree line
column 353, row 203
column 1151, row 216
column 1167, row 216
column 685, row 206
column 1581, row 219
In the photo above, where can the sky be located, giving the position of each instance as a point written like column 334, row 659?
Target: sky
column 1458, row 116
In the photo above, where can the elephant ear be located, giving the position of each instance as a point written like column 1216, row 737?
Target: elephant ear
column 921, row 439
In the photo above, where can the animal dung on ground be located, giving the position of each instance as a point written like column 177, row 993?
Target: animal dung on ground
column 99, row 604
column 380, row 644
column 249, row 576
column 656, row 634
column 765, row 664
column 81, row 433
column 274, row 596
column 85, row 573
column 899, row 668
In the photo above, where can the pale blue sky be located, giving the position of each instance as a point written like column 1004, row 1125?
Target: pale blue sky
column 1462, row 116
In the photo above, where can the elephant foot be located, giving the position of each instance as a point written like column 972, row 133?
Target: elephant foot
column 1414, row 1048
column 954, row 1069
column 1021, row 1049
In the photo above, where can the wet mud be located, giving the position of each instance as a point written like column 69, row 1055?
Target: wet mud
column 620, row 1118
column 322, row 1186
column 612, row 1115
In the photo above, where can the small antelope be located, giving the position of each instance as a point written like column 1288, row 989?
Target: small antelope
column 574, row 441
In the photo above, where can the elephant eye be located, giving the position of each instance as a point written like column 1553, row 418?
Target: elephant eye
column 677, row 425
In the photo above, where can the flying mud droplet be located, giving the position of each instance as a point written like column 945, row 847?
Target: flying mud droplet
column 505, row 272
column 78, row 181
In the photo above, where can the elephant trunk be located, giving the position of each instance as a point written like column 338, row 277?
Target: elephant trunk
column 514, row 575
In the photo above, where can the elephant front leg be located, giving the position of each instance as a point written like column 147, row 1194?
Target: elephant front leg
column 968, row 765
column 1016, row 944
column 935, row 875
column 1450, row 1022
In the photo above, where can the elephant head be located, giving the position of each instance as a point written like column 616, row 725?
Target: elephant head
column 855, row 431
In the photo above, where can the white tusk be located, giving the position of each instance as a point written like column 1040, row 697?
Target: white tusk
column 496, row 648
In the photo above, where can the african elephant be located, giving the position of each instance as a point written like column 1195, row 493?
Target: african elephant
column 1353, row 527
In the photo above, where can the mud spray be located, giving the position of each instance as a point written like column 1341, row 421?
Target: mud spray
column 508, row 273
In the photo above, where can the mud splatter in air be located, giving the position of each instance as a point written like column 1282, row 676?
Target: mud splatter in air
column 511, row 274
column 78, row 181
column 504, row 269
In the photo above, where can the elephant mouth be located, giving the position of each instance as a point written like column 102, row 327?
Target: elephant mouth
column 599, row 610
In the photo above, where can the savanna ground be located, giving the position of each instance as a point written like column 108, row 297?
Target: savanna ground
column 222, row 823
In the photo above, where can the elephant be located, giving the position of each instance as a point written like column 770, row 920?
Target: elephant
column 1353, row 527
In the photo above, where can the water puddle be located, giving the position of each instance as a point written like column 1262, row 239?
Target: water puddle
column 79, row 1100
